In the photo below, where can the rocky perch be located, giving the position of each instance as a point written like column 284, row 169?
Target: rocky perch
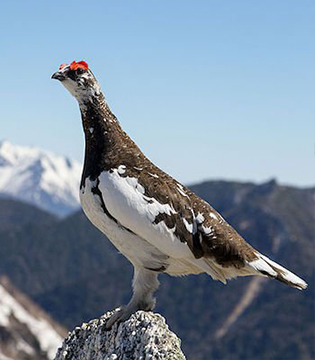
column 143, row 336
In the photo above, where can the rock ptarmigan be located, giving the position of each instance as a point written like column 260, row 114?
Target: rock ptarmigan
column 158, row 224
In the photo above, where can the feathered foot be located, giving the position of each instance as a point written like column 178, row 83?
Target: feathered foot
column 144, row 284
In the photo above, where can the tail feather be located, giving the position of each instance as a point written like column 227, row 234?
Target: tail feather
column 271, row 269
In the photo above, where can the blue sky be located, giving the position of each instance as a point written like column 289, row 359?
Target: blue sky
column 208, row 89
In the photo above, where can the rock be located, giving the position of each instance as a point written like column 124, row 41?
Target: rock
column 143, row 336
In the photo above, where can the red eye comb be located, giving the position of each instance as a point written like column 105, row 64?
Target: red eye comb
column 62, row 66
column 80, row 64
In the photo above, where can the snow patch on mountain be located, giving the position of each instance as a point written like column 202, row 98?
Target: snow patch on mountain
column 25, row 325
column 39, row 177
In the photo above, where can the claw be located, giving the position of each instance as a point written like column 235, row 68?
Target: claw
column 116, row 317
column 125, row 312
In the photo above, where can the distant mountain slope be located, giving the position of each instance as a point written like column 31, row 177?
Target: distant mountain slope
column 39, row 177
column 26, row 331
column 16, row 215
column 73, row 272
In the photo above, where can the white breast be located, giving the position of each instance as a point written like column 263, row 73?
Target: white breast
column 136, row 249
column 125, row 200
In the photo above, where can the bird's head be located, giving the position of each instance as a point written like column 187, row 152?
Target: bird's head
column 79, row 80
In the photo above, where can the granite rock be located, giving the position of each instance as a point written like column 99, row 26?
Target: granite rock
column 144, row 336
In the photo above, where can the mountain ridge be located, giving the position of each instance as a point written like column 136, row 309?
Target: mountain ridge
column 26, row 331
column 39, row 177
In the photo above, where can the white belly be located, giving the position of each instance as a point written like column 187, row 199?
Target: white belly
column 125, row 200
column 137, row 250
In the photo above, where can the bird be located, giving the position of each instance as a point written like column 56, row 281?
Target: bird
column 157, row 223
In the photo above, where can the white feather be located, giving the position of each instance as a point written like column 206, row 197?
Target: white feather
column 125, row 200
column 138, row 251
column 261, row 265
column 286, row 274
column 264, row 264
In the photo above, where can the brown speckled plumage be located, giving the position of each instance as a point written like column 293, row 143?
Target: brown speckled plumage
column 108, row 146
column 157, row 223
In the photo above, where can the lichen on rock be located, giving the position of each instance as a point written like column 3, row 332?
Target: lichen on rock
column 144, row 336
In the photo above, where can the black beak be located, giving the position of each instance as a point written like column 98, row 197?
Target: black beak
column 58, row 76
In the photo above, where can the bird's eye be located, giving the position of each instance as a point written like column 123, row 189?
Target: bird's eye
column 80, row 71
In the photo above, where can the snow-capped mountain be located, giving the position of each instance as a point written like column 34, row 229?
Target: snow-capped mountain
column 39, row 177
column 26, row 331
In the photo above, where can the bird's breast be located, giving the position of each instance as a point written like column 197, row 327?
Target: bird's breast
column 135, row 248
column 92, row 205
column 126, row 201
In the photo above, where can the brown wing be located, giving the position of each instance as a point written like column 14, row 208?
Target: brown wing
column 219, row 241
column 194, row 222
column 204, row 230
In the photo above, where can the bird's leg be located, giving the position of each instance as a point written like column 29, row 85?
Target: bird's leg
column 144, row 283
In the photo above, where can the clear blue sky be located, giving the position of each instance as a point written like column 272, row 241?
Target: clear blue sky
column 208, row 89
